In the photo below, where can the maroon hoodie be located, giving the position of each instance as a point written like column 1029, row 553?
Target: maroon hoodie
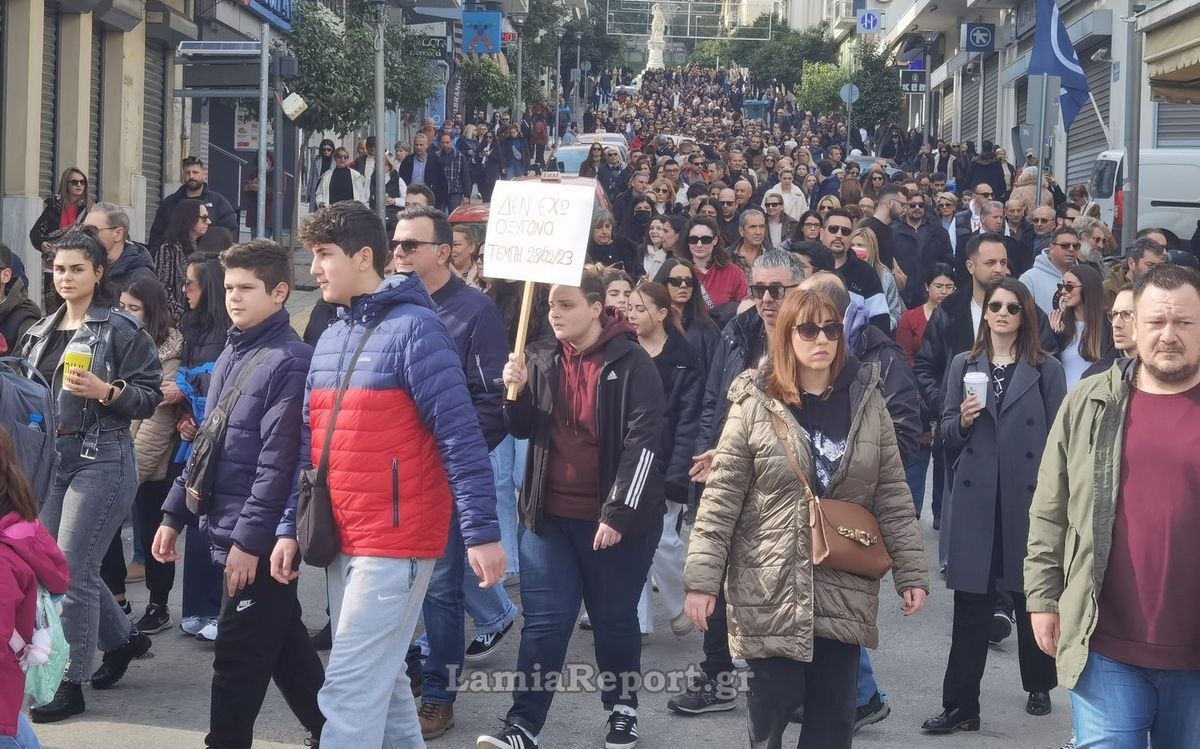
column 28, row 556
column 573, row 482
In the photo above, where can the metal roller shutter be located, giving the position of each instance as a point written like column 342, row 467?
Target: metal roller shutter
column 46, row 176
column 153, row 136
column 1086, row 138
column 94, row 113
column 948, row 112
column 1177, row 125
column 991, row 95
column 970, row 109
column 1022, row 101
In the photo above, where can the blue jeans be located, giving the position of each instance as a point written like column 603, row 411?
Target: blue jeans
column 374, row 603
column 559, row 570
column 1123, row 707
column 454, row 589
column 87, row 505
column 508, row 467
column 866, row 679
column 914, row 474
column 25, row 738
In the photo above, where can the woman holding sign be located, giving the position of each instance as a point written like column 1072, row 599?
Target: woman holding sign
column 591, row 402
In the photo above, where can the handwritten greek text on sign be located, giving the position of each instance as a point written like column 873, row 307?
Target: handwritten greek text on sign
column 538, row 231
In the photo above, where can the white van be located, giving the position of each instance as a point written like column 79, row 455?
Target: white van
column 1168, row 189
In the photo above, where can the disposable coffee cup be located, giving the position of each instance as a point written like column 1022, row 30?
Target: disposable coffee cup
column 975, row 382
column 77, row 356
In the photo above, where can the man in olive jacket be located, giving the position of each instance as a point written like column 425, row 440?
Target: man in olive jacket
column 1112, row 568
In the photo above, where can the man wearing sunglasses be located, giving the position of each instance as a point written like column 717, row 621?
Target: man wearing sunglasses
column 861, row 279
column 743, row 345
column 921, row 243
column 1044, row 223
column 1044, row 277
column 127, row 260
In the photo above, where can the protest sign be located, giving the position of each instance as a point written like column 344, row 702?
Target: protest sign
column 538, row 231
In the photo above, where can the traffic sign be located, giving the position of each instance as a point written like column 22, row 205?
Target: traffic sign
column 979, row 37
column 849, row 93
column 585, row 66
column 913, row 82
column 870, row 22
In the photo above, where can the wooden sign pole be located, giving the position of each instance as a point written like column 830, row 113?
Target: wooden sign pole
column 513, row 391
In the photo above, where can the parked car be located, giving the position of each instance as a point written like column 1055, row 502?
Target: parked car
column 1167, row 188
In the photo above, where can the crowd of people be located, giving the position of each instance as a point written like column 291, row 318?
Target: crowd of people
column 774, row 339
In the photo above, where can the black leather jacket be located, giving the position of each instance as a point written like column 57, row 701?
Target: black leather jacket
column 122, row 353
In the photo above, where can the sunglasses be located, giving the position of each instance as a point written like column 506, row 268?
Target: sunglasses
column 681, row 282
column 728, row 202
column 696, row 239
column 776, row 290
column 1013, row 308
column 918, row 204
column 205, row 218
column 774, row 205
column 810, row 330
column 1068, row 245
column 1043, row 220
column 409, row 246
column 1069, row 286
column 77, row 182
column 984, row 194
column 845, row 231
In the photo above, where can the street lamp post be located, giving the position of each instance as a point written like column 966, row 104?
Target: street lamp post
column 578, row 76
column 518, row 20
column 930, row 38
column 380, row 191
column 558, row 87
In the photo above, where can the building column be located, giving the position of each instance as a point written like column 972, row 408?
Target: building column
column 123, row 92
column 74, row 90
column 24, row 23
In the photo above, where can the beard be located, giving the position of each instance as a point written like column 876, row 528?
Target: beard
column 1174, row 373
column 193, row 184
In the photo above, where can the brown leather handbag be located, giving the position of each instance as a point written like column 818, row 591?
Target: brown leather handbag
column 845, row 535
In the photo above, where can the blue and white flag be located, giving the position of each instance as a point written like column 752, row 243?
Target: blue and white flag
column 1053, row 54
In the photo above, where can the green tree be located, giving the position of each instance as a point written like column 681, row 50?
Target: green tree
column 336, row 61
column 485, row 83
column 819, row 86
column 709, row 52
column 785, row 55
column 746, row 41
column 878, row 79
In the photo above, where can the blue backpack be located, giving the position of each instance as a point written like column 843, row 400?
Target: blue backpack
column 28, row 412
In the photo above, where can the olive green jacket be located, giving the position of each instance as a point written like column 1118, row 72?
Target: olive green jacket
column 753, row 520
column 1071, row 518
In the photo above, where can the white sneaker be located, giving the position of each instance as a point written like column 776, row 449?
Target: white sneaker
column 191, row 625
column 209, row 632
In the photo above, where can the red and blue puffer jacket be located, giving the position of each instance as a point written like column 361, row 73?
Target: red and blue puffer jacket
column 407, row 437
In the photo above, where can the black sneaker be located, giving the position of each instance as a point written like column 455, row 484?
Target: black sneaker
column 323, row 640
column 1002, row 626
column 155, row 620
column 622, row 731
column 483, row 645
column 703, row 695
column 115, row 662
column 512, row 737
column 874, row 711
column 126, row 607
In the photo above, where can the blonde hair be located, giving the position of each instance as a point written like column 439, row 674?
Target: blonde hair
column 868, row 238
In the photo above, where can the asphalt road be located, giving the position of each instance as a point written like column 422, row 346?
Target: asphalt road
column 163, row 701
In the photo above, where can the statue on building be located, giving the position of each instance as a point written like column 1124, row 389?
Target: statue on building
column 657, row 43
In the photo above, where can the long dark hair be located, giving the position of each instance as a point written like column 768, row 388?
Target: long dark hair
column 85, row 203
column 16, row 495
column 210, row 315
column 679, row 225
column 83, row 239
column 1029, row 344
column 157, row 318
column 1092, row 338
column 694, row 311
column 658, row 294
column 183, row 218
column 720, row 256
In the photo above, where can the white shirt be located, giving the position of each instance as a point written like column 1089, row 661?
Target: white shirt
column 654, row 261
column 976, row 315
column 794, row 202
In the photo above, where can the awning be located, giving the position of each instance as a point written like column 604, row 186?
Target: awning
column 1172, row 50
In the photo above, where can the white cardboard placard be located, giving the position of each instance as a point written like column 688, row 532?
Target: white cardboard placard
column 538, row 231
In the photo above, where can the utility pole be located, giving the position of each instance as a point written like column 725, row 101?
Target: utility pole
column 1133, row 127
column 930, row 38
column 264, row 71
column 578, row 77
column 380, row 179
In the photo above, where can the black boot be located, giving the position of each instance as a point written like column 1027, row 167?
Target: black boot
column 68, row 701
column 115, row 662
column 323, row 640
column 952, row 719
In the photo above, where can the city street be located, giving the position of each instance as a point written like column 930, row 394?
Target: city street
column 163, row 701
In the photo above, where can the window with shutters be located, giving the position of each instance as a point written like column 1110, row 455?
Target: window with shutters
column 1176, row 125
column 153, row 135
column 970, row 107
column 1085, row 139
column 95, row 103
column 991, row 96
column 1022, row 101
column 49, row 108
column 948, row 112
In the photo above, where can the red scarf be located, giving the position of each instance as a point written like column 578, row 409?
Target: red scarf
column 70, row 213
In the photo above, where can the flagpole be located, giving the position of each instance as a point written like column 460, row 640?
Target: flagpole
column 1041, row 145
column 1096, row 108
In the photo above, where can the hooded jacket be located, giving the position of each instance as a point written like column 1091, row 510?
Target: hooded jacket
column 1026, row 191
column 899, row 386
column 918, row 251
column 629, row 420
column 218, row 208
column 257, row 460
column 29, row 556
column 987, row 171
column 135, row 262
column 407, row 439
column 751, row 532
column 1042, row 280
column 18, row 313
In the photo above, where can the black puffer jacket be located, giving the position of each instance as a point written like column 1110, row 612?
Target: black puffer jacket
column 682, row 375
column 899, row 388
column 743, row 341
column 630, row 419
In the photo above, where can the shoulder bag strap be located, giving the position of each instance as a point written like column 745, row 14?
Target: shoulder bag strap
column 323, row 468
column 229, row 398
column 793, row 461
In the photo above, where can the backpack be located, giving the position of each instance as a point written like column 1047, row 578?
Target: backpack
column 201, row 463
column 44, row 659
column 29, row 413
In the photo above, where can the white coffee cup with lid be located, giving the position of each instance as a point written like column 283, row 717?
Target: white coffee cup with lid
column 977, row 383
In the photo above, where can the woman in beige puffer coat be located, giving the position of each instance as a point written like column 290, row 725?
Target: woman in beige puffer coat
column 796, row 623
column 1025, row 189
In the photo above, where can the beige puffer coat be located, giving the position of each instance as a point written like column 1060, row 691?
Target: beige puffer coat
column 752, row 517
column 154, row 438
